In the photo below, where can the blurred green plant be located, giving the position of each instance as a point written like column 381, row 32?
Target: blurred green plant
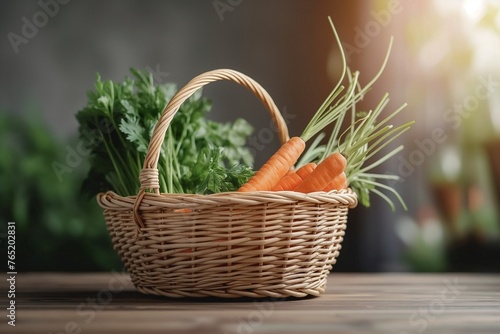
column 455, row 46
column 57, row 229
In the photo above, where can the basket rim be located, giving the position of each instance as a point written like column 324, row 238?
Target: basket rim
column 112, row 200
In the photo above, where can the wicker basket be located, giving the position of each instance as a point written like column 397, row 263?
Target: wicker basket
column 255, row 244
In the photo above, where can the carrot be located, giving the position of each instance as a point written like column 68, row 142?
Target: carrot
column 305, row 170
column 331, row 110
column 185, row 210
column 339, row 182
column 276, row 167
column 329, row 168
column 290, row 181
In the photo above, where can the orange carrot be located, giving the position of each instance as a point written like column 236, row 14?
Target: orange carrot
column 290, row 181
column 329, row 168
column 305, row 170
column 276, row 167
column 339, row 182
column 182, row 210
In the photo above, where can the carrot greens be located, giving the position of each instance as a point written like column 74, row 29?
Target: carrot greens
column 364, row 139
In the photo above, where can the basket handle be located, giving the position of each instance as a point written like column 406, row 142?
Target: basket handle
column 149, row 174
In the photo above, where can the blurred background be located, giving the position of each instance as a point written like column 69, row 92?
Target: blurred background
column 444, row 64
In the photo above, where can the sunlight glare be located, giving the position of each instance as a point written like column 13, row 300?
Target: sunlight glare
column 450, row 162
column 474, row 9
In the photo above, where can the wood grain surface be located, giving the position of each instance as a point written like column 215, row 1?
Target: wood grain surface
column 353, row 303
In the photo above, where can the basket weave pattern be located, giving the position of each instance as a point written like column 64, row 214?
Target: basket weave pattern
column 256, row 244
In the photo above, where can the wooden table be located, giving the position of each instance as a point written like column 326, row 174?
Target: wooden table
column 354, row 303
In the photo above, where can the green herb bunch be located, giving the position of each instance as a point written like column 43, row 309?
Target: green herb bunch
column 198, row 155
